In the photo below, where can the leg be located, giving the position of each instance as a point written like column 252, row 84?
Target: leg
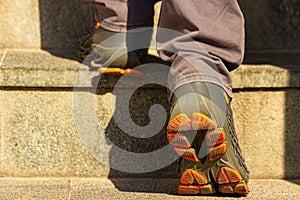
column 114, row 17
column 120, row 15
column 201, row 127
column 217, row 26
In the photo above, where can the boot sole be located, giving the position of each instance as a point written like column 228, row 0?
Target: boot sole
column 192, row 182
column 215, row 138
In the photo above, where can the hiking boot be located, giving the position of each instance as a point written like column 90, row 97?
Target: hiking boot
column 106, row 51
column 202, row 132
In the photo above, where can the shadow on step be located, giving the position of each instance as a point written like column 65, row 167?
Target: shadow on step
column 140, row 103
column 167, row 186
column 138, row 118
column 296, row 181
column 62, row 24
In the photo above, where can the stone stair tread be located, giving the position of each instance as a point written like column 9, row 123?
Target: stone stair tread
column 39, row 68
column 102, row 188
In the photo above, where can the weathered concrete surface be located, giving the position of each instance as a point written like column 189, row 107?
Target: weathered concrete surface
column 2, row 55
column 292, row 141
column 67, row 189
column 166, row 189
column 53, row 24
column 272, row 25
column 31, row 68
column 267, row 126
column 20, row 24
column 34, row 189
column 63, row 23
column 39, row 137
column 38, row 68
column 47, row 24
column 37, row 129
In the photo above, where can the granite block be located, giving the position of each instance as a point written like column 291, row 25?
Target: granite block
column 266, row 76
column 38, row 68
column 264, row 133
column 39, row 138
column 267, row 125
column 63, row 23
column 166, row 189
column 39, row 135
column 35, row 189
column 87, row 188
column 272, row 25
column 292, row 139
column 20, row 24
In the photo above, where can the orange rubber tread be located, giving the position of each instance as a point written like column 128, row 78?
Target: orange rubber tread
column 202, row 122
column 197, row 121
column 228, row 175
column 178, row 140
column 216, row 152
column 226, row 189
column 190, row 175
column 241, row 188
column 179, row 123
column 195, row 189
column 215, row 137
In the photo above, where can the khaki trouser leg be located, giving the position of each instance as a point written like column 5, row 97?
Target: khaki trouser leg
column 212, row 40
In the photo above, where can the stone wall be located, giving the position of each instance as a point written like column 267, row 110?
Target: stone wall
column 37, row 129
column 271, row 26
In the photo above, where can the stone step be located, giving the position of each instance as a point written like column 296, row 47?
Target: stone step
column 56, row 24
column 99, row 188
column 31, row 67
column 52, row 126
